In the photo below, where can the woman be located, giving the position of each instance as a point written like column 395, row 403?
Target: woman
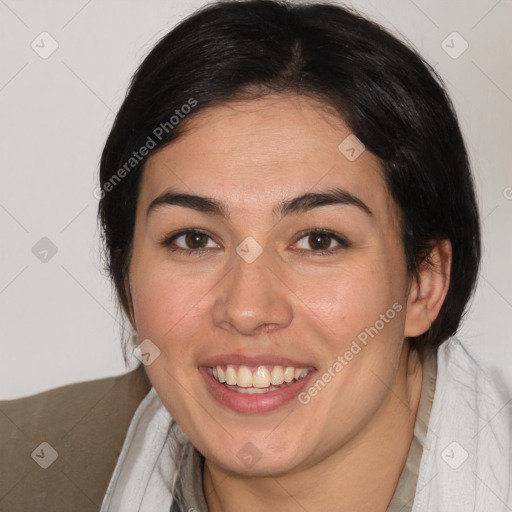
column 300, row 240
column 290, row 223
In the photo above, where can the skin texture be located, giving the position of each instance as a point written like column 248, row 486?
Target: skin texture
column 345, row 449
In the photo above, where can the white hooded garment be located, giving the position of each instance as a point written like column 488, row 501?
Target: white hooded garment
column 465, row 464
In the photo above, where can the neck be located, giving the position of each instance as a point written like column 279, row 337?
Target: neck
column 380, row 450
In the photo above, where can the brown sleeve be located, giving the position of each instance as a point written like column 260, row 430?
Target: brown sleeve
column 84, row 425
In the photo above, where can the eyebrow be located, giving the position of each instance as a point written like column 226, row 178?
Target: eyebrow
column 299, row 204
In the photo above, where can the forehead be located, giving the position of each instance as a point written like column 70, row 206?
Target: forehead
column 252, row 154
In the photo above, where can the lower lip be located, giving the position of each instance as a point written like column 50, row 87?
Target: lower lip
column 253, row 403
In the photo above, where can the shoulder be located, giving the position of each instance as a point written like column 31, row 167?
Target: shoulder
column 462, row 369
column 466, row 461
column 59, row 448
column 466, row 383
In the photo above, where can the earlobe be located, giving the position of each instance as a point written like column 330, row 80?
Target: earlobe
column 429, row 290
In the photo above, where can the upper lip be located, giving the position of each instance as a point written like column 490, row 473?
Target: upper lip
column 254, row 360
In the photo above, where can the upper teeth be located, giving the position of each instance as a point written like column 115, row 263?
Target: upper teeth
column 261, row 378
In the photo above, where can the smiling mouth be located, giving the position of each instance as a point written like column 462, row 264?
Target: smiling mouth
column 260, row 379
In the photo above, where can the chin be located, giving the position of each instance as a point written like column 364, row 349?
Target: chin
column 256, row 464
column 254, row 455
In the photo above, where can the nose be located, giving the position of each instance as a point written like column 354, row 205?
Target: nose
column 252, row 299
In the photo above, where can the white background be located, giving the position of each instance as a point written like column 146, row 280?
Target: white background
column 58, row 319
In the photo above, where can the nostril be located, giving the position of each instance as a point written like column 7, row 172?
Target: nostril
column 267, row 328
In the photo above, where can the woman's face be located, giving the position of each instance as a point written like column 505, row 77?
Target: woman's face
column 278, row 276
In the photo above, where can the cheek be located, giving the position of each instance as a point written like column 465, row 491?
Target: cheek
column 163, row 300
column 349, row 299
column 362, row 325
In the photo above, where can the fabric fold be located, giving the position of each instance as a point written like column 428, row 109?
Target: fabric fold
column 146, row 469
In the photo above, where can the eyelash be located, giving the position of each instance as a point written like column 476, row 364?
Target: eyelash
column 343, row 243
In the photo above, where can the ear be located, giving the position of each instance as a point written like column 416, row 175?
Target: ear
column 429, row 290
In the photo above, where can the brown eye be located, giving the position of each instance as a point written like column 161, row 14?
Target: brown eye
column 194, row 240
column 190, row 241
column 319, row 241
